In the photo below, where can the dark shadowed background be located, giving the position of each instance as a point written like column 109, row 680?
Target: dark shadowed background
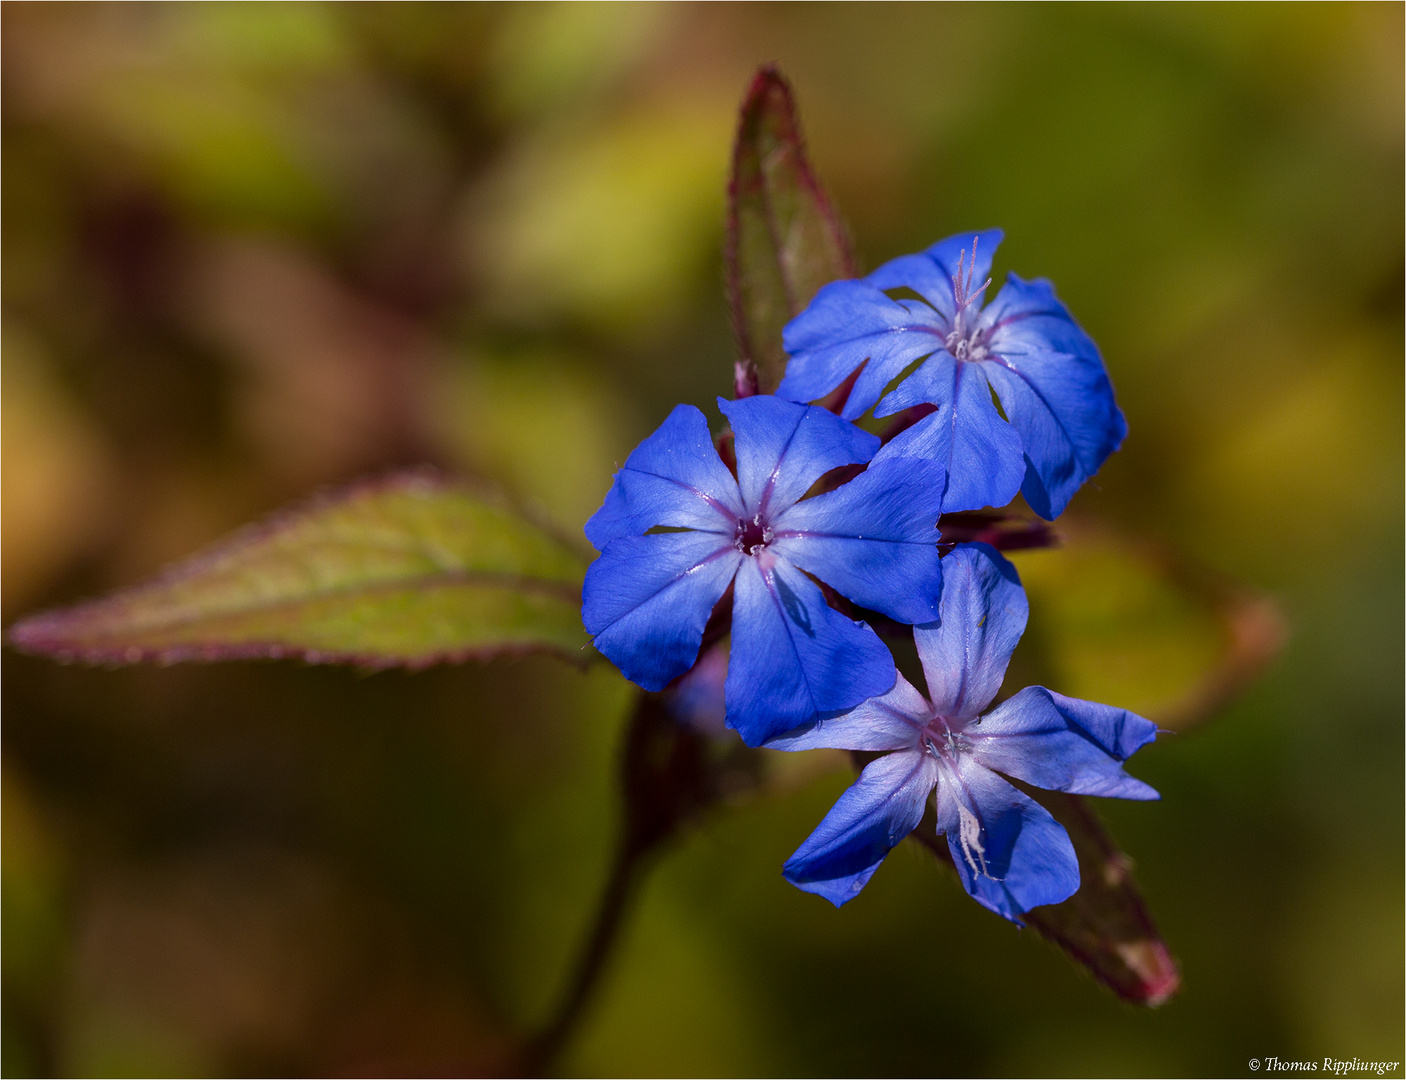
column 253, row 250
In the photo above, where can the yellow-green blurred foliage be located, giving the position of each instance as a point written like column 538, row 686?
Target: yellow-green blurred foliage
column 254, row 249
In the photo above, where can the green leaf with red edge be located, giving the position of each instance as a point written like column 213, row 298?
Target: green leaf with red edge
column 784, row 240
column 1105, row 925
column 406, row 571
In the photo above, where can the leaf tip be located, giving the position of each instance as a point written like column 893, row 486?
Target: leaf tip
column 1152, row 962
column 784, row 238
column 42, row 635
column 744, row 379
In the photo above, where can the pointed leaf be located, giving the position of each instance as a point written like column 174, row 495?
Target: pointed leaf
column 406, row 571
column 1104, row 926
column 784, row 240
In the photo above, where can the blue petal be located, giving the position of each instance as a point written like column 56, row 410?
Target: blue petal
column 674, row 477
column 892, row 721
column 930, row 274
column 793, row 655
column 1063, row 744
column 979, row 450
column 647, row 599
column 1029, row 313
column 874, row 539
column 983, row 615
column 783, row 448
column 923, row 276
column 1009, row 852
column 847, row 323
column 1053, row 387
column 880, row 808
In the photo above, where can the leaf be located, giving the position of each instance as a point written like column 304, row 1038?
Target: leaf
column 406, row 571
column 784, row 240
column 1105, row 925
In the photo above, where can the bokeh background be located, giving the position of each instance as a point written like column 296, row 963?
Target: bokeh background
column 255, row 249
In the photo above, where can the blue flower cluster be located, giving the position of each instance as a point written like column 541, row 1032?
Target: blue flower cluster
column 816, row 520
column 1061, row 421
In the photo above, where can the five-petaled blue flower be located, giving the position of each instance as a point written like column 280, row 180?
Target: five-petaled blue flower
column 1063, row 421
column 1011, row 854
column 647, row 599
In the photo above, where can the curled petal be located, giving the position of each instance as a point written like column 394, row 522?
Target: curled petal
column 966, row 436
column 874, row 539
column 983, row 614
column 880, row 808
column 783, row 448
column 892, row 721
column 793, row 655
column 846, row 324
column 1053, row 387
column 674, row 478
column 1064, row 744
column 1009, row 852
column 1028, row 314
column 647, row 599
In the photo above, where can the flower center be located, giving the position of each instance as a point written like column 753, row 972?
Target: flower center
column 966, row 341
column 964, row 344
column 943, row 739
column 751, row 536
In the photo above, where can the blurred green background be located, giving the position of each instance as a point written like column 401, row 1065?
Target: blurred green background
column 255, row 249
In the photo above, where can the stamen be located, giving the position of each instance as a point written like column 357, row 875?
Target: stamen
column 961, row 342
column 979, row 291
column 969, row 833
column 752, row 536
column 942, row 741
column 962, row 289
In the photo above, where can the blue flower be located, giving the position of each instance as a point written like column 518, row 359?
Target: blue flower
column 1011, row 854
column 1024, row 346
column 648, row 597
